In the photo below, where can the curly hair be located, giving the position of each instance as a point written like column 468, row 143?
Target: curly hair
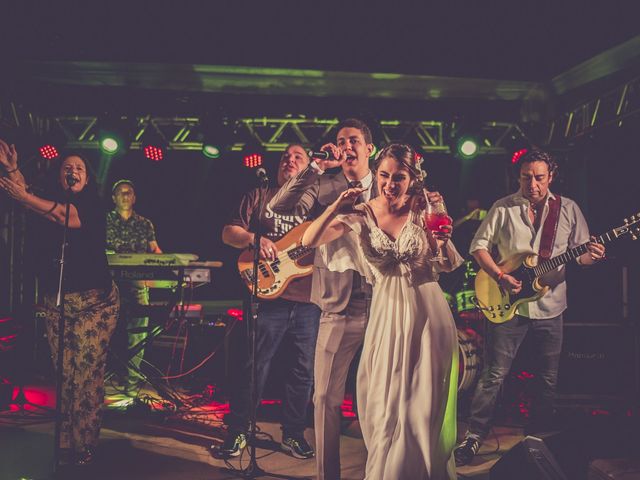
column 51, row 185
column 537, row 155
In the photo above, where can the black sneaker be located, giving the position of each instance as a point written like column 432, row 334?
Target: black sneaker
column 298, row 446
column 465, row 452
column 233, row 444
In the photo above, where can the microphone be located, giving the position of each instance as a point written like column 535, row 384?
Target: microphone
column 261, row 173
column 71, row 180
column 319, row 155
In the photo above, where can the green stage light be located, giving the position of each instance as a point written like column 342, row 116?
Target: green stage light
column 109, row 145
column 467, row 147
column 210, row 151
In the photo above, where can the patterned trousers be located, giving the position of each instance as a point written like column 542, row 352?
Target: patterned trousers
column 90, row 319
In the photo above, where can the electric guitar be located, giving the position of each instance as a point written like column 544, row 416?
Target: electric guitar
column 499, row 306
column 275, row 275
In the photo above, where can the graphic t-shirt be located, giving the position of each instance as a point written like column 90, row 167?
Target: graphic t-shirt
column 273, row 226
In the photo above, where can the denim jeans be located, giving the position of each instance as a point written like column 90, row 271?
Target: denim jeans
column 503, row 341
column 292, row 326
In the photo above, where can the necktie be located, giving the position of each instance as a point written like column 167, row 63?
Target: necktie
column 356, row 287
column 357, row 184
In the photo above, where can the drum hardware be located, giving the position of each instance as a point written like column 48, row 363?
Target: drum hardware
column 469, row 357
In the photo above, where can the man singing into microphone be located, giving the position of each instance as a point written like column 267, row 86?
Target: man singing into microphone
column 341, row 296
column 290, row 321
column 128, row 232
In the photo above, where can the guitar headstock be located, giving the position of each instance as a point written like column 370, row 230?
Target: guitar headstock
column 631, row 226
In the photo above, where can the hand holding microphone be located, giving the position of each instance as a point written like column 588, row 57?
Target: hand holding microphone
column 329, row 156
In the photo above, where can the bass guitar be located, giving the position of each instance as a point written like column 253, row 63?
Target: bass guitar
column 499, row 306
column 275, row 275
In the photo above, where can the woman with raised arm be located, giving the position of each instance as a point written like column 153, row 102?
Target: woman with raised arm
column 91, row 297
column 407, row 378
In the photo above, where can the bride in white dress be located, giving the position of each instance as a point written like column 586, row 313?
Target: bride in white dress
column 407, row 378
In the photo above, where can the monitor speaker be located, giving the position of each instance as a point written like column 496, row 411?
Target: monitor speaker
column 530, row 459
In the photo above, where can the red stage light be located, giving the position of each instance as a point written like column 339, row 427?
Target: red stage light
column 153, row 153
column 48, row 152
column 235, row 313
column 517, row 154
column 347, row 407
column 524, row 375
column 253, row 160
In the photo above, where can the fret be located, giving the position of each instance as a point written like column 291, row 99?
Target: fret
column 559, row 260
column 298, row 252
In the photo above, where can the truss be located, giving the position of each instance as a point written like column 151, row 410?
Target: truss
column 607, row 109
column 271, row 133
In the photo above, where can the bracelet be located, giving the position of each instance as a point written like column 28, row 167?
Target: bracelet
column 55, row 204
column 500, row 275
column 14, row 170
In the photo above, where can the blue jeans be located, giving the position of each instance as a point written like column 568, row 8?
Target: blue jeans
column 294, row 327
column 503, row 341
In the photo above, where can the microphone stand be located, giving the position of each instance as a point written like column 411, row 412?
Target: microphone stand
column 253, row 470
column 60, row 359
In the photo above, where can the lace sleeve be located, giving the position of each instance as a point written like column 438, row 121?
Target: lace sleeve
column 452, row 259
column 345, row 253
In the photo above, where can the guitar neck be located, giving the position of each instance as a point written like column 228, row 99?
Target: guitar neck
column 298, row 252
column 572, row 254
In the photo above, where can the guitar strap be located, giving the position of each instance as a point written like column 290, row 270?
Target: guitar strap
column 550, row 228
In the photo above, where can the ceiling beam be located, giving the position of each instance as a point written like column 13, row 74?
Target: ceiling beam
column 276, row 81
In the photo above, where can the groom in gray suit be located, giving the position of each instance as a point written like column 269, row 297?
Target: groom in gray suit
column 343, row 297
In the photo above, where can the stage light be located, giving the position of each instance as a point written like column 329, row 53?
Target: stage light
column 109, row 145
column 153, row 145
column 518, row 154
column 253, row 153
column 467, row 147
column 48, row 151
column 210, row 150
column 153, row 152
column 115, row 133
column 235, row 313
column 253, row 160
column 217, row 133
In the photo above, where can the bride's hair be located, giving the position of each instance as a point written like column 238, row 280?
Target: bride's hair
column 406, row 156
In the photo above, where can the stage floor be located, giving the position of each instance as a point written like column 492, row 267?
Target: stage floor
column 155, row 444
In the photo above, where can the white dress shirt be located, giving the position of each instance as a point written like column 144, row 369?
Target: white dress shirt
column 367, row 183
column 507, row 228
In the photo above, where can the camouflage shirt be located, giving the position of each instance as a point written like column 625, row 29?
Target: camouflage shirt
column 129, row 236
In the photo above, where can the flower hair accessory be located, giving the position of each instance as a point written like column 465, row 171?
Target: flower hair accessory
column 420, row 173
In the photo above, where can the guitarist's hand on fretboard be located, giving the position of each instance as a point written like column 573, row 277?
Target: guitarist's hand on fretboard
column 595, row 252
